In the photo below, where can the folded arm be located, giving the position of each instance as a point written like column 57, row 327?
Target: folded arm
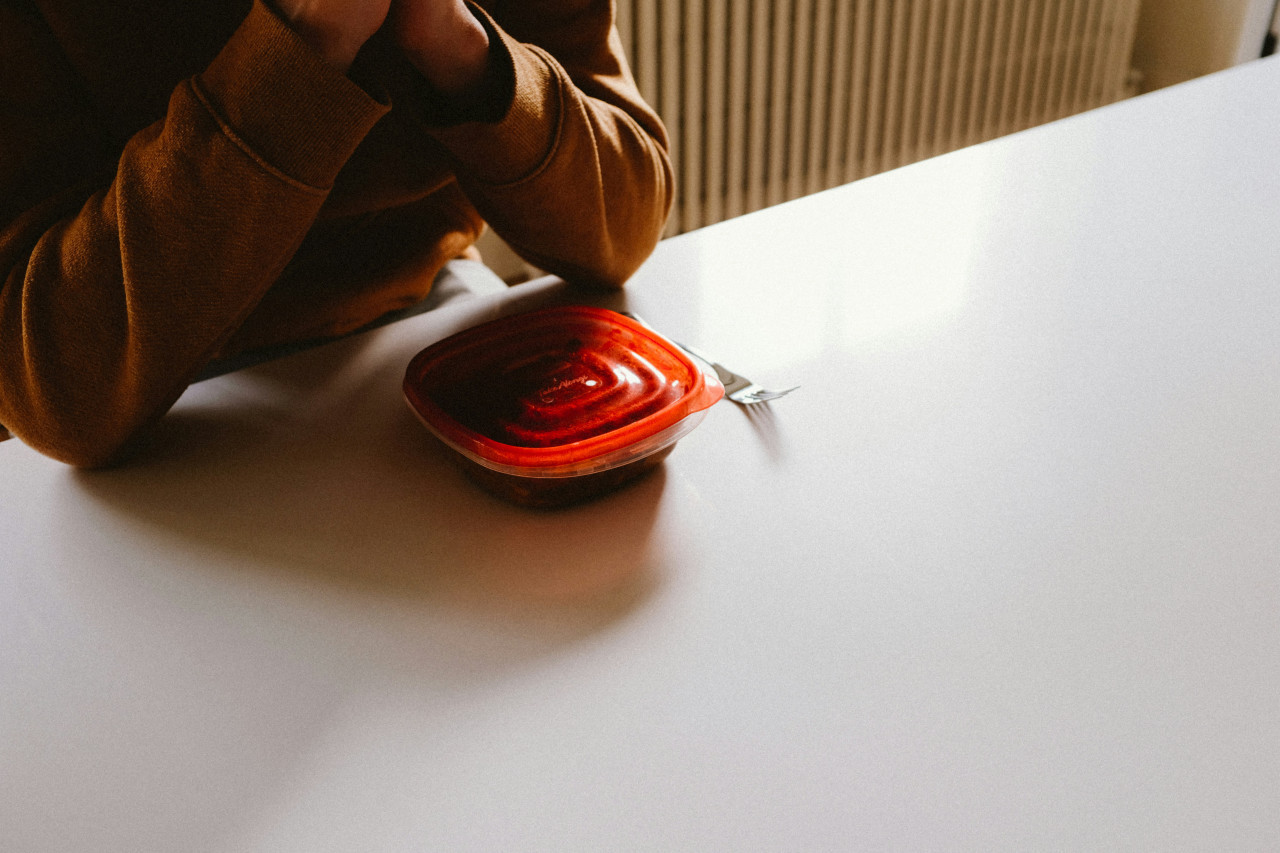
column 122, row 271
column 121, row 279
column 575, row 174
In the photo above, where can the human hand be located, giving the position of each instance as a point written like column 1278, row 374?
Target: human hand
column 337, row 29
column 444, row 40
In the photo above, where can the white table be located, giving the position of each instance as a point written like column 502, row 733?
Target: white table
column 1003, row 575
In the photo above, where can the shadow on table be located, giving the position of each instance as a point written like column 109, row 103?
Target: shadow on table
column 316, row 570
column 314, row 465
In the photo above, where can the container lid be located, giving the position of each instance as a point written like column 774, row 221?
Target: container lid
column 558, row 392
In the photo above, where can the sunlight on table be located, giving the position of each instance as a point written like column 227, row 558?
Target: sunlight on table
column 844, row 287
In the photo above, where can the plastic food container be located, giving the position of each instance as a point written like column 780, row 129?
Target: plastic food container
column 558, row 405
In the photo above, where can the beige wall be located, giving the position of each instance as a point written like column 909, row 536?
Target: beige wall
column 1181, row 39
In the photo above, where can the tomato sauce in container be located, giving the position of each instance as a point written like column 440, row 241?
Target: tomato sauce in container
column 555, row 406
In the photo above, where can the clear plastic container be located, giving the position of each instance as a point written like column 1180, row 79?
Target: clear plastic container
column 558, row 405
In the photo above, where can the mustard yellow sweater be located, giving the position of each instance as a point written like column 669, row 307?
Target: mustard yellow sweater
column 183, row 179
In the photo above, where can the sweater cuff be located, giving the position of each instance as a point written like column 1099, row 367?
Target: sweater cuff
column 283, row 103
column 517, row 141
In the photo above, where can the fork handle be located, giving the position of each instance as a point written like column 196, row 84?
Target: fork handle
column 730, row 380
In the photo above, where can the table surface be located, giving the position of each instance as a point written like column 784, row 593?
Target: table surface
column 1002, row 575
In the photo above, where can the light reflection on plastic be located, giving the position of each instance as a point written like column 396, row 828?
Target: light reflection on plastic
column 626, row 376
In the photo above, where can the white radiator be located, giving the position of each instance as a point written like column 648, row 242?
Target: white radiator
column 768, row 100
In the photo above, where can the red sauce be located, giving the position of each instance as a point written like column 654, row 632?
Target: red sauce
column 563, row 393
column 538, row 399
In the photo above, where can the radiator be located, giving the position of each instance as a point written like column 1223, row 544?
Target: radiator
column 769, row 100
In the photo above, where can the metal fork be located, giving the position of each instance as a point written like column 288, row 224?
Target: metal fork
column 737, row 388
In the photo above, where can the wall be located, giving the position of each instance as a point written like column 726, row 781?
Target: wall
column 1181, row 39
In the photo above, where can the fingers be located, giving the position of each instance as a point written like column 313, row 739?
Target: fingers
column 444, row 40
column 336, row 29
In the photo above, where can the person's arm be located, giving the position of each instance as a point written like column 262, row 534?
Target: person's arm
column 121, row 273
column 573, row 171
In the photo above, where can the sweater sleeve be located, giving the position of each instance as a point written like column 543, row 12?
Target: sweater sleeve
column 121, row 274
column 575, row 173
